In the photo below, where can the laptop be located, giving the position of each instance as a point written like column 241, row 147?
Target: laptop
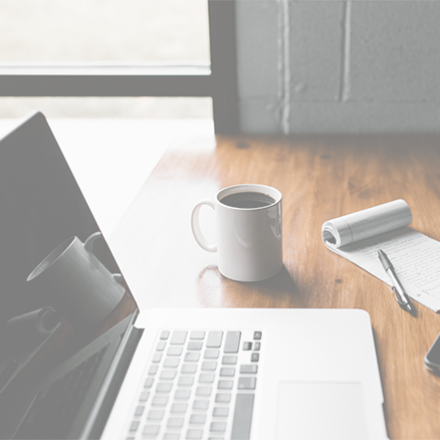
column 164, row 373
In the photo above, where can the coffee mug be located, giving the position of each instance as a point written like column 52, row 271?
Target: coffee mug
column 76, row 284
column 248, row 226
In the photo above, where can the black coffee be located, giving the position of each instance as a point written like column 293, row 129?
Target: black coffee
column 247, row 200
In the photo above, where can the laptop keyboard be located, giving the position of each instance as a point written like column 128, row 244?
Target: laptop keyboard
column 198, row 385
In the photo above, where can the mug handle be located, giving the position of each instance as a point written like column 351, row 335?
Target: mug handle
column 88, row 244
column 195, row 225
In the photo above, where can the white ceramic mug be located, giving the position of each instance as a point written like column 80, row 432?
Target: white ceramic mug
column 77, row 284
column 249, row 242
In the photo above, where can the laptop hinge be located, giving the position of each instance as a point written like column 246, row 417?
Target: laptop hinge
column 109, row 390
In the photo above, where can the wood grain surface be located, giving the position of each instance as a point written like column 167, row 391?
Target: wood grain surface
column 320, row 177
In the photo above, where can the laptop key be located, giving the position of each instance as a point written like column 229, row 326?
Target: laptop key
column 209, row 366
column 218, row 427
column 179, row 337
column 151, row 430
column 134, row 426
column 211, row 354
column 157, row 357
column 247, row 346
column 223, row 397
column 255, row 357
column 214, row 339
column 229, row 360
column 159, row 401
column 189, row 368
column 206, row 378
column 257, row 335
column 247, row 383
column 168, row 374
column 227, row 372
column 139, row 410
column 164, row 387
column 201, row 404
column 197, row 419
column 161, row 346
column 241, row 424
column 232, row 342
column 195, row 345
column 179, row 407
column 197, row 334
column 185, row 381
column 203, row 391
column 220, row 411
column 155, row 414
column 148, row 382
column 153, row 370
column 248, row 369
column 144, row 396
column 192, row 357
column 194, row 434
column 182, row 394
column 164, row 335
column 171, row 362
column 174, row 351
column 175, row 422
column 226, row 384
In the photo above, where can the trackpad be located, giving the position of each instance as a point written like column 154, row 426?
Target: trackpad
column 321, row 410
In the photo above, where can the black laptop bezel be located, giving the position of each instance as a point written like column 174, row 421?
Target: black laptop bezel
column 32, row 162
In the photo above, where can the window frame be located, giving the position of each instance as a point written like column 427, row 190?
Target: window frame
column 217, row 80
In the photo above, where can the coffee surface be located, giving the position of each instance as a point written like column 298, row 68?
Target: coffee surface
column 247, row 200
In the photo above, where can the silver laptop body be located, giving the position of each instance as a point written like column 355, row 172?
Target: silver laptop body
column 316, row 377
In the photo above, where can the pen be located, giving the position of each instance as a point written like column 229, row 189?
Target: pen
column 402, row 297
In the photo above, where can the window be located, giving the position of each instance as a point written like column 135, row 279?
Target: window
column 130, row 32
column 107, row 48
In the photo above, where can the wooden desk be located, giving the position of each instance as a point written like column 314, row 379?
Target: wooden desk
column 320, row 178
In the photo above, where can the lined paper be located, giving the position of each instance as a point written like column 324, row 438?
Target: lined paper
column 415, row 257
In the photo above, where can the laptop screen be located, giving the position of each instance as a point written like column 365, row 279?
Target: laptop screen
column 45, row 230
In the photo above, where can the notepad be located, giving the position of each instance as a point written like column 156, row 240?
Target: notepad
column 415, row 257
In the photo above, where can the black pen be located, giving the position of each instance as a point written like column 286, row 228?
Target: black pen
column 402, row 297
